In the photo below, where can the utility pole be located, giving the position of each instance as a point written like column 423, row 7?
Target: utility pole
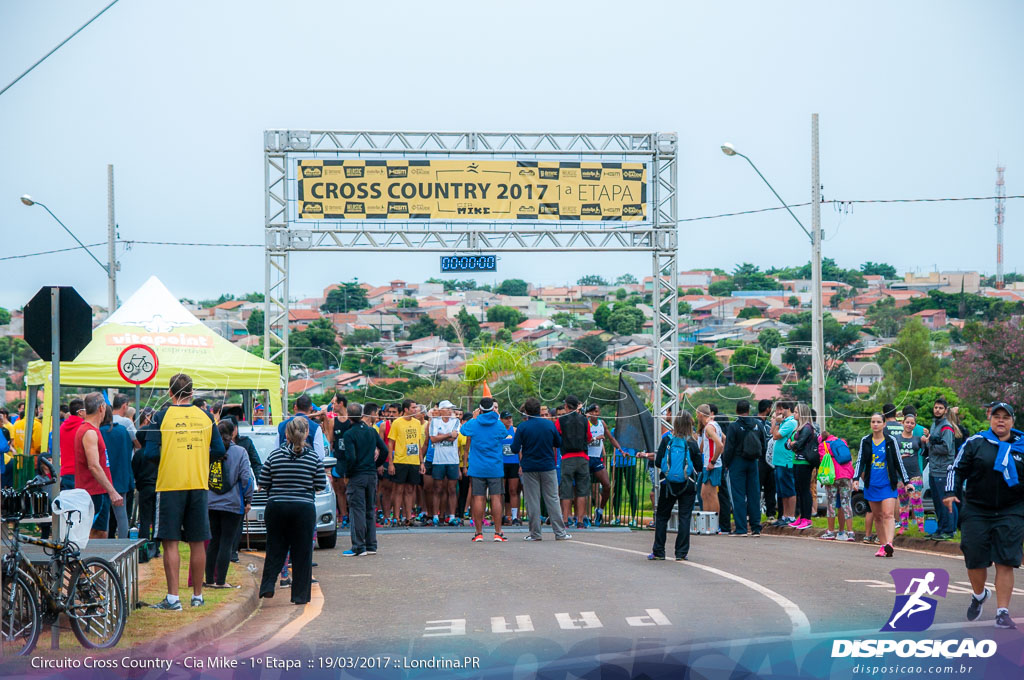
column 112, row 265
column 817, row 336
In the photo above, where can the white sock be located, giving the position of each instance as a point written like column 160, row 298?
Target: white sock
column 1002, row 610
column 980, row 596
column 172, row 598
column 515, row 513
column 435, row 516
column 199, row 596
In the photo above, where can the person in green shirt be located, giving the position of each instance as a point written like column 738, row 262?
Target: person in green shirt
column 783, row 425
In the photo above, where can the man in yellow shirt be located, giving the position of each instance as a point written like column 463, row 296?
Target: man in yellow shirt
column 37, row 434
column 185, row 440
column 405, row 441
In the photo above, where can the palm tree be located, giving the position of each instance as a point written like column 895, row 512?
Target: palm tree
column 497, row 361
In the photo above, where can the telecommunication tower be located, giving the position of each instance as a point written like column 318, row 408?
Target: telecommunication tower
column 1000, row 213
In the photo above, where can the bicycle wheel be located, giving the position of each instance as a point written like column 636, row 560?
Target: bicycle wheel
column 96, row 604
column 21, row 623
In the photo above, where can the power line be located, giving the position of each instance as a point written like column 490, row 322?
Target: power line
column 50, row 252
column 11, row 84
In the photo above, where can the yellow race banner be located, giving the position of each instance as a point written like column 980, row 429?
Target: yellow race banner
column 471, row 190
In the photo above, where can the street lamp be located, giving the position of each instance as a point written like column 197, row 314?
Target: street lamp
column 110, row 268
column 817, row 340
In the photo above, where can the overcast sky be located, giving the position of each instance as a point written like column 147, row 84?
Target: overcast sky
column 917, row 99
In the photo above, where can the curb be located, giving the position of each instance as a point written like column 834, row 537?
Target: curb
column 909, row 542
column 208, row 629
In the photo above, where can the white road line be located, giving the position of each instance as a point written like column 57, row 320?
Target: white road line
column 801, row 625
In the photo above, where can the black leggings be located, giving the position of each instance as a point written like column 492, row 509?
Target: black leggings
column 803, row 490
column 289, row 528
column 223, row 528
column 463, row 489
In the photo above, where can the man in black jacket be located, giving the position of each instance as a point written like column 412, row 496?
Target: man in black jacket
column 744, row 447
column 990, row 465
column 364, row 451
column 765, row 471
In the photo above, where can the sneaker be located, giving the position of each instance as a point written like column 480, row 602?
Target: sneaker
column 828, row 536
column 528, row 537
column 564, row 537
column 586, row 522
column 782, row 522
column 598, row 517
column 948, row 537
column 285, row 583
column 487, row 522
column 756, row 533
column 197, row 601
column 681, row 559
column 739, row 534
column 167, row 606
column 436, row 522
column 887, row 549
column 841, row 536
column 351, row 553
column 801, row 524
column 850, row 538
column 652, row 556
column 516, row 522
column 478, row 538
column 975, row 608
column 344, row 521
column 866, row 539
column 881, row 553
column 1003, row 620
column 500, row 538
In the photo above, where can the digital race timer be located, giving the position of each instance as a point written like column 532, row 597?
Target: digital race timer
column 469, row 263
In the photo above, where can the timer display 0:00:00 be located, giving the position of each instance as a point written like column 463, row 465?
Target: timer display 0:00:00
column 469, row 263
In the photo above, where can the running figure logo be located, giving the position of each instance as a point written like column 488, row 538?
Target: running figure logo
column 914, row 611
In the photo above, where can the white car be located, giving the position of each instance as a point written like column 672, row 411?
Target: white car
column 265, row 439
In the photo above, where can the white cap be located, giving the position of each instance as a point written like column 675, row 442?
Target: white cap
column 446, row 404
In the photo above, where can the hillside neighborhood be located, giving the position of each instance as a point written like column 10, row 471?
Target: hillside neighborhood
column 741, row 328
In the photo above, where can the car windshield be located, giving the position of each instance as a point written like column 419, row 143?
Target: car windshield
column 265, row 443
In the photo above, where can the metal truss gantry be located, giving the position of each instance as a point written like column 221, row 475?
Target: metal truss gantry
column 286, row 234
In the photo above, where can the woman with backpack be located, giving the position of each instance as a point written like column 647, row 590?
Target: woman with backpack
column 228, row 499
column 680, row 461
column 881, row 469
column 911, row 452
column 841, row 488
column 804, row 445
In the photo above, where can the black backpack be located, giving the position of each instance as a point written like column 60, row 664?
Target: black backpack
column 574, row 432
column 752, row 446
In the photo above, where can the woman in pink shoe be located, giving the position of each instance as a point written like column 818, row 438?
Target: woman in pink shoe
column 804, row 446
column 881, row 469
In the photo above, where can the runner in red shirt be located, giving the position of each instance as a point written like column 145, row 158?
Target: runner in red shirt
column 92, row 470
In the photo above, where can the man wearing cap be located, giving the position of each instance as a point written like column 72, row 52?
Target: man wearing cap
column 444, row 436
column 990, row 466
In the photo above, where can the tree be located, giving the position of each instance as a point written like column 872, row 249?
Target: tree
column 621, row 294
column 5, row 317
column 15, row 353
column 468, row 324
column 749, row 313
column 503, row 335
column 513, row 287
column 724, row 398
column 835, row 394
column 626, row 320
column 684, row 307
column 601, row 315
column 362, row 336
column 992, row 366
column 408, row 302
column 625, row 279
column 749, row 277
column 510, row 316
column 700, row 363
column 793, row 301
column 693, row 291
column 840, row 341
column 348, row 297
column 886, row 271
column 591, row 280
column 318, row 338
column 966, row 305
column 254, row 324
column 423, row 328
column 769, row 339
column 448, row 284
column 910, row 363
column 885, row 317
column 751, row 364
column 565, row 319
column 722, row 288
column 590, row 349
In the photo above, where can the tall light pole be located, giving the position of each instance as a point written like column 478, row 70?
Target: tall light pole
column 817, row 337
column 111, row 267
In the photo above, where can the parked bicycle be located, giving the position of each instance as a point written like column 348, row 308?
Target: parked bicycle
column 88, row 591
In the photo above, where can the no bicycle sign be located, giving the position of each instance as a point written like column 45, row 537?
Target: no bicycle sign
column 137, row 364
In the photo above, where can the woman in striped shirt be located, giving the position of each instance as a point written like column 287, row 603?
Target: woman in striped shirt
column 291, row 477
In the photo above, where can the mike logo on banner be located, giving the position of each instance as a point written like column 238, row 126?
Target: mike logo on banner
column 461, row 189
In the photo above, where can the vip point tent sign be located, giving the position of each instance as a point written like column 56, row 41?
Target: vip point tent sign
column 471, row 189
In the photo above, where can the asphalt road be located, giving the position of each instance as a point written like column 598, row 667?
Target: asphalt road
column 597, row 596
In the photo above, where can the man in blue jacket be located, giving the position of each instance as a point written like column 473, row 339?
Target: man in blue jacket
column 486, row 435
column 535, row 441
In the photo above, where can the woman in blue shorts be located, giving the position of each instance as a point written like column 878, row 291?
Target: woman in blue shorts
column 881, row 469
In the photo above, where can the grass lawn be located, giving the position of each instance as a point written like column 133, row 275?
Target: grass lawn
column 146, row 624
